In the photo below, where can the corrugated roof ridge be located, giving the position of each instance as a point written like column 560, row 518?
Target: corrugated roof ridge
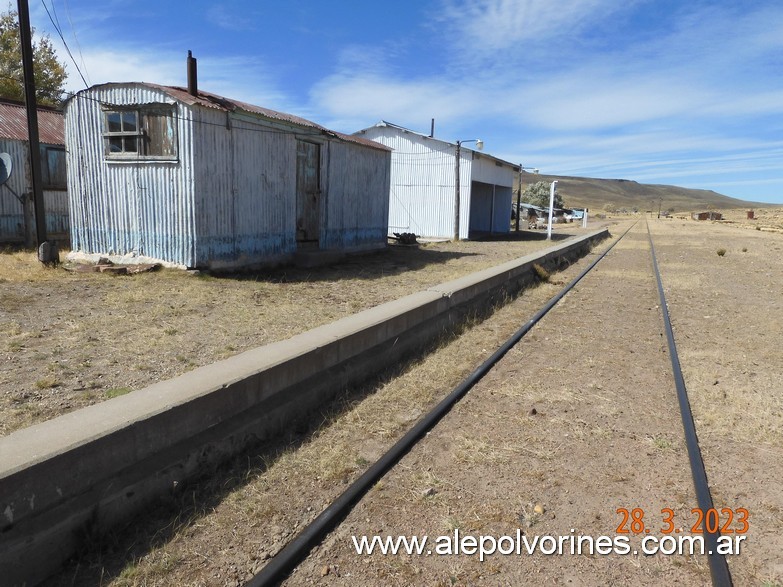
column 41, row 107
column 13, row 123
column 211, row 100
column 452, row 143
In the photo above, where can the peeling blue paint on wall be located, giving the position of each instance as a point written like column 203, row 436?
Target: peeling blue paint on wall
column 12, row 225
column 354, row 237
column 229, row 248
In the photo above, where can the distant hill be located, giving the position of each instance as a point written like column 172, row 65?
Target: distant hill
column 624, row 194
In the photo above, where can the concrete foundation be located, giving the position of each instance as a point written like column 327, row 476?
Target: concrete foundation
column 64, row 481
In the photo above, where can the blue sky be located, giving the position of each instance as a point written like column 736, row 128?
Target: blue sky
column 677, row 92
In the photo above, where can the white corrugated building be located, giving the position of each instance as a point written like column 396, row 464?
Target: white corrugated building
column 197, row 180
column 17, row 212
column 423, row 189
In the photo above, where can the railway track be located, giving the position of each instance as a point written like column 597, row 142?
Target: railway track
column 280, row 566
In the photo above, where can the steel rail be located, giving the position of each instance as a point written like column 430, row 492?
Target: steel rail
column 280, row 566
column 719, row 568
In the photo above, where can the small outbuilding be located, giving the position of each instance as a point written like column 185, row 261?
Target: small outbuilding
column 424, row 187
column 706, row 216
column 17, row 210
column 197, row 180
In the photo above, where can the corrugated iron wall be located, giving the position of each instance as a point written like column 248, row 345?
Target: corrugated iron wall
column 118, row 207
column 422, row 183
column 491, row 171
column 490, row 208
column 356, row 210
column 245, row 189
column 504, row 197
column 491, row 205
column 11, row 209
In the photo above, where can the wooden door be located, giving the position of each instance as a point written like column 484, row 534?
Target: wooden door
column 308, row 192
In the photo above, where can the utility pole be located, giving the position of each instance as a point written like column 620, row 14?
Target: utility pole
column 456, row 191
column 47, row 251
column 519, row 195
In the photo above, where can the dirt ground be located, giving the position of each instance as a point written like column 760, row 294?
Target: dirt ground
column 581, row 419
column 69, row 340
column 576, row 422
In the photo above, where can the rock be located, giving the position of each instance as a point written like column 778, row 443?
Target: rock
column 325, row 571
column 539, row 508
column 532, row 412
column 429, row 492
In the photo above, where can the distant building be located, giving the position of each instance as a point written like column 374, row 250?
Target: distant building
column 706, row 216
column 17, row 212
column 423, row 189
column 198, row 180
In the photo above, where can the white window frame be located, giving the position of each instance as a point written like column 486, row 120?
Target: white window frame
column 141, row 134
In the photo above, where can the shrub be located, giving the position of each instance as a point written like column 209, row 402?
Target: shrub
column 721, row 252
column 47, row 383
column 542, row 273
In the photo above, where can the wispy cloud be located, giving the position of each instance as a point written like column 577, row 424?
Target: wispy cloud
column 352, row 101
column 642, row 89
column 488, row 26
column 236, row 77
column 225, row 17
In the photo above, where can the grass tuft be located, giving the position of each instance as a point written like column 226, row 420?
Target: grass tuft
column 542, row 273
column 116, row 392
column 47, row 383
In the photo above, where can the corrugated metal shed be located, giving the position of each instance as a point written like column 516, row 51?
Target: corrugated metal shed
column 124, row 207
column 423, row 185
column 229, row 196
column 13, row 123
column 13, row 140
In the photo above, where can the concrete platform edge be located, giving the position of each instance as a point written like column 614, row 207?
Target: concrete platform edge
column 68, row 479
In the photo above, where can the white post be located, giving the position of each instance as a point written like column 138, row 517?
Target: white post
column 457, row 156
column 584, row 218
column 551, row 207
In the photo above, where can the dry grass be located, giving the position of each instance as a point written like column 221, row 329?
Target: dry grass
column 766, row 219
column 262, row 502
column 18, row 266
column 125, row 332
column 731, row 390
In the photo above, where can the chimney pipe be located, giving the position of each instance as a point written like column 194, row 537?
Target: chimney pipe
column 432, row 128
column 192, row 75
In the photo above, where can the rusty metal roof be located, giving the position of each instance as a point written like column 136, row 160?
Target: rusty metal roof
column 13, row 123
column 210, row 100
column 214, row 101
